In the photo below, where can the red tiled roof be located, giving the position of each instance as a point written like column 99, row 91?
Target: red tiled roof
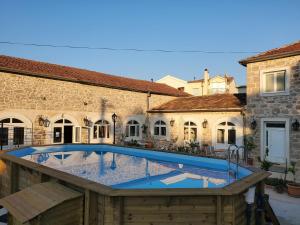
column 53, row 71
column 217, row 102
column 284, row 51
column 196, row 81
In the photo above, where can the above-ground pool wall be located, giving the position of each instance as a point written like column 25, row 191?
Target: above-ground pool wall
column 120, row 208
column 5, row 184
column 173, row 210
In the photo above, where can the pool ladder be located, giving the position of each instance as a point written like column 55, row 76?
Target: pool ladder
column 231, row 152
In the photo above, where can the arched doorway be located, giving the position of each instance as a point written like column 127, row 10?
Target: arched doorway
column 14, row 132
column 65, row 132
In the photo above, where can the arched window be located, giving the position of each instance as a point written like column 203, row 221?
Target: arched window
column 101, row 129
column 12, row 132
column 132, row 129
column 190, row 131
column 160, row 128
column 226, row 133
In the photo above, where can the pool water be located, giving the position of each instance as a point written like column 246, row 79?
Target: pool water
column 126, row 168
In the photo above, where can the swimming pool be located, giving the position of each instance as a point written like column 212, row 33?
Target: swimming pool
column 129, row 168
column 128, row 186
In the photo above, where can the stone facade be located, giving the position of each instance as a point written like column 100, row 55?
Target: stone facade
column 286, row 106
column 205, row 136
column 29, row 97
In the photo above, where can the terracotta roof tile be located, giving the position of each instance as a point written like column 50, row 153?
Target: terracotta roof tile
column 53, row 71
column 220, row 102
column 284, row 51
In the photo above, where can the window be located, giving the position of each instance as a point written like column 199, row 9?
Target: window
column 132, row 129
column 274, row 81
column 13, row 131
column 216, row 88
column 18, row 136
column 77, row 134
column 190, row 131
column 221, row 136
column 4, row 135
column 57, row 134
column 226, row 133
column 101, row 129
column 160, row 128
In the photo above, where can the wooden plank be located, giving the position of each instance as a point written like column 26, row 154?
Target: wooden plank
column 90, row 208
column 32, row 201
column 101, row 209
column 118, row 210
column 219, row 210
column 14, row 177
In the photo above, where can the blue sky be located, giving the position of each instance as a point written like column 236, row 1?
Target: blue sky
column 213, row 25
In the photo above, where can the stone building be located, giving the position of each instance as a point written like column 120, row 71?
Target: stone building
column 273, row 103
column 206, row 86
column 44, row 103
column 212, row 120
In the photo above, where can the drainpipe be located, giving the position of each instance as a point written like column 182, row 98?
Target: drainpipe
column 244, row 134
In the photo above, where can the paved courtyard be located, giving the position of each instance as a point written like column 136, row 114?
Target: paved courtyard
column 285, row 207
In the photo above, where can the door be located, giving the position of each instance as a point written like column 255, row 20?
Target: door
column 57, row 134
column 68, row 134
column 275, row 141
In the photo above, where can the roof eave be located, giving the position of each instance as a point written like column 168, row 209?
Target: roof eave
column 244, row 62
column 239, row 109
column 26, row 73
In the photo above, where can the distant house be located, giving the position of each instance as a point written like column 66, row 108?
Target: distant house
column 273, row 98
column 206, row 86
column 172, row 81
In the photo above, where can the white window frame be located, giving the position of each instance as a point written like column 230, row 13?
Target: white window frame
column 75, row 133
column 189, row 127
column 226, row 129
column 160, row 126
column 137, row 126
column 10, row 127
column 62, row 126
column 103, row 123
column 263, row 83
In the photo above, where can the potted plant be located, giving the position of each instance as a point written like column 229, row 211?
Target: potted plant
column 293, row 187
column 265, row 164
column 249, row 146
column 194, row 146
column 149, row 142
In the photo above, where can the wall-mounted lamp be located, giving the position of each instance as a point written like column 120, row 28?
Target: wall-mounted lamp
column 204, row 123
column 253, row 124
column 295, row 125
column 172, row 121
column 43, row 121
column 87, row 122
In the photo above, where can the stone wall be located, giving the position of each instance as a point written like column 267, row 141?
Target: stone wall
column 30, row 97
column 281, row 106
column 206, row 135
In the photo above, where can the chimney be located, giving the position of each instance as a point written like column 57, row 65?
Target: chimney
column 206, row 82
